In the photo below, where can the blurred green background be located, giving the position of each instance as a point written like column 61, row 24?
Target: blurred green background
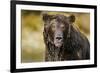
column 32, row 46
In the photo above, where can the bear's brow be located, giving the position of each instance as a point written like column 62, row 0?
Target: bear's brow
column 61, row 18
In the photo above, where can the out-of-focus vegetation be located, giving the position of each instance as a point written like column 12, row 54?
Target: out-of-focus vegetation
column 32, row 39
column 33, row 47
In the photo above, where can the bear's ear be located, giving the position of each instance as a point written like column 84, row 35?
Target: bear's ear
column 45, row 17
column 72, row 18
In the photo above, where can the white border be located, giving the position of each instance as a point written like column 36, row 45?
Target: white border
column 51, row 64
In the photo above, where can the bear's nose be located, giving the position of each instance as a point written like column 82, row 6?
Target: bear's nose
column 58, row 38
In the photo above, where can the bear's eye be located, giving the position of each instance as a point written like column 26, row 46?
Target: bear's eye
column 62, row 26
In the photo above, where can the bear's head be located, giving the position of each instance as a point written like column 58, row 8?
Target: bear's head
column 56, row 27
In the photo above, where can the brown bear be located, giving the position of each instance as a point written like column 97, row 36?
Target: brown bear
column 62, row 40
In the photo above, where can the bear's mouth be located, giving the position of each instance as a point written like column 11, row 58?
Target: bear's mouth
column 58, row 44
